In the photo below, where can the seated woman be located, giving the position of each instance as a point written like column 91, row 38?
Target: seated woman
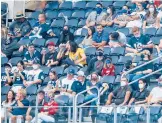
column 150, row 18
column 88, row 39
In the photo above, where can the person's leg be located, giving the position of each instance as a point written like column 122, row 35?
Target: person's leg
column 28, row 118
column 46, row 118
column 13, row 119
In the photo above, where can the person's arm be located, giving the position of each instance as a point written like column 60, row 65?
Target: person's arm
column 89, row 92
column 144, row 24
column 149, row 98
column 147, row 71
column 126, row 99
column 19, row 103
column 148, row 46
column 109, row 98
column 105, row 87
column 82, row 54
column 9, row 79
column 14, row 77
column 28, row 111
column 131, row 101
column 43, row 59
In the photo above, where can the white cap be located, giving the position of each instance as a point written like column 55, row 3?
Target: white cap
column 80, row 73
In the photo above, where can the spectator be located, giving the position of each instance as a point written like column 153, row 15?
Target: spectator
column 10, row 100
column 159, row 51
column 66, row 35
column 96, row 64
column 46, row 113
column 140, row 96
column 122, row 17
column 41, row 29
column 19, row 76
column 159, row 17
column 91, row 94
column 108, row 69
column 96, row 17
column 34, row 76
column 7, row 76
column 76, row 55
column 117, row 39
column 50, row 59
column 19, row 108
column 110, row 17
column 138, row 43
column 127, row 66
column 30, row 114
column 31, row 55
column 150, row 18
column 121, row 95
column 155, row 96
column 100, row 38
column 88, row 39
column 20, row 27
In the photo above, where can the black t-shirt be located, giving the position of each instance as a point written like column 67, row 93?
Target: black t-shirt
column 140, row 96
column 119, row 94
column 19, row 80
column 51, row 56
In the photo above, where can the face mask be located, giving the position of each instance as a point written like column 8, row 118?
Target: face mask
column 65, row 31
column 123, row 83
column 94, row 78
column 108, row 11
column 137, row 36
column 141, row 86
column 127, row 67
column 159, row 84
column 98, row 10
column 35, row 67
column 151, row 10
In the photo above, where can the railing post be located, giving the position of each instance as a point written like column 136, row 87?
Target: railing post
column 115, row 114
column 148, row 114
column 36, row 110
column 74, row 108
column 5, row 113
column 80, row 115
column 69, row 115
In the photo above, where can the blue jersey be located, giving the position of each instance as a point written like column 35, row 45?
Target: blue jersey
column 36, row 56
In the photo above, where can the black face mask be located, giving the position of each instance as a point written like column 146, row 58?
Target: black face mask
column 65, row 31
column 127, row 67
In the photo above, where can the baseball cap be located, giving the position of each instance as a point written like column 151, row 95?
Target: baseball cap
column 50, row 44
column 81, row 73
column 8, row 64
column 128, row 63
column 71, row 71
column 108, row 61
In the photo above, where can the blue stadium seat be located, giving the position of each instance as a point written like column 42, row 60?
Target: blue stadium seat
column 51, row 14
column 82, row 23
column 4, row 60
column 75, row 68
column 159, row 32
column 56, row 31
column 55, row 40
column 123, row 59
column 156, row 40
column 78, row 39
column 2, row 69
column 72, row 23
column 79, row 5
column 24, row 41
column 124, row 30
column 79, row 14
column 108, row 79
column 91, row 5
column 80, row 99
column 107, row 3
column 62, row 99
column 117, row 51
column 107, row 51
column 137, row 59
column 58, row 23
column 3, row 98
column 66, row 5
column 114, row 59
column 119, row 4
column 89, row 51
column 150, row 31
column 118, row 69
column 30, row 98
column 118, row 79
column 45, row 69
column 17, row 54
column 52, row 5
column 14, row 60
column 59, row 70
column 4, row 7
column 39, row 42
column 109, row 30
column 66, row 13
column 34, row 15
column 32, row 22
column 84, row 32
column 5, row 90
column 130, row 5
column 31, row 90
column 46, row 80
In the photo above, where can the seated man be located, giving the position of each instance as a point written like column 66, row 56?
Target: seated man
column 96, row 17
column 121, row 95
column 138, row 43
column 19, row 109
column 155, row 96
column 50, row 59
column 41, row 29
column 34, row 76
column 31, row 55
column 117, row 39
column 140, row 96
column 99, row 38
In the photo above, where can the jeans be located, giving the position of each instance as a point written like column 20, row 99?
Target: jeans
column 133, row 77
column 43, row 117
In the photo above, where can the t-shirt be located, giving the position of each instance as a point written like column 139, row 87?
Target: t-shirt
column 67, row 83
column 33, row 103
column 140, row 96
column 51, row 56
column 98, row 85
column 156, row 93
column 108, row 71
column 119, row 94
column 99, row 37
column 77, row 55
column 20, row 111
column 136, row 43
column 4, row 78
column 36, row 56
column 19, row 80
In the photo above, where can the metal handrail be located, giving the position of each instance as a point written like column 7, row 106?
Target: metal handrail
column 75, row 101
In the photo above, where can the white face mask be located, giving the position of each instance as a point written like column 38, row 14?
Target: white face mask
column 35, row 67
column 151, row 10
column 123, row 83
column 141, row 86
column 108, row 11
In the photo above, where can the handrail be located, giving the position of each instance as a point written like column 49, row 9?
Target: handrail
column 142, row 65
column 145, row 76
column 75, row 101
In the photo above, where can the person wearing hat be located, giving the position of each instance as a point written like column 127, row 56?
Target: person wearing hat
column 108, row 69
column 31, row 55
column 34, row 76
column 7, row 75
column 20, row 27
column 96, row 64
column 50, row 59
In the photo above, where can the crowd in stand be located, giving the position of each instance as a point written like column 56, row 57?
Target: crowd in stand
column 91, row 70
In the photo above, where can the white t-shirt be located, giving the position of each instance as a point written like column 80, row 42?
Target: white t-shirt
column 156, row 93
column 159, row 15
column 67, row 83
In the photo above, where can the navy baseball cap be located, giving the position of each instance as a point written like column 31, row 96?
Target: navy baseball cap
column 108, row 61
column 71, row 71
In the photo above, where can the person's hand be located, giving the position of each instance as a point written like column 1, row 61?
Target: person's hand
column 9, row 109
column 52, row 34
column 18, row 35
column 25, row 84
column 21, row 48
column 122, row 24
column 140, row 72
column 76, row 62
column 135, row 51
column 43, row 52
column 155, row 101
column 49, row 65
column 3, row 55
column 108, row 102
column 17, row 98
column 7, row 71
column 30, row 62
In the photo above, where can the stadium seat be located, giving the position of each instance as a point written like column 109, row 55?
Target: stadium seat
column 117, row 79
column 106, row 3
column 3, row 98
column 117, row 51
column 109, row 30
column 14, row 60
column 4, row 60
column 31, row 90
column 66, row 13
column 24, row 41
column 108, row 79
column 55, row 40
column 51, row 14
column 80, row 99
column 32, row 22
column 130, row 5
column 59, row 70
column 62, row 99
column 79, row 5
column 45, row 69
column 118, row 69
column 34, row 15
column 159, row 32
column 56, row 31
column 52, row 5
column 91, row 5
column 78, row 14
column 39, row 42
column 156, row 40
column 66, row 5
column 4, row 7
column 84, row 32
column 31, row 98
column 124, row 30
column 82, row 23
column 72, row 23
column 119, row 4
column 2, row 69
column 5, row 90
column 124, row 59
column 150, row 31
column 75, row 68
column 107, row 51
column 78, row 39
column 89, row 51
column 137, row 59
column 17, row 54
column 114, row 59
column 46, row 80
column 58, row 23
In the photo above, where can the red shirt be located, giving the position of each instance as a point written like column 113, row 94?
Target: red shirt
column 51, row 110
column 108, row 71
